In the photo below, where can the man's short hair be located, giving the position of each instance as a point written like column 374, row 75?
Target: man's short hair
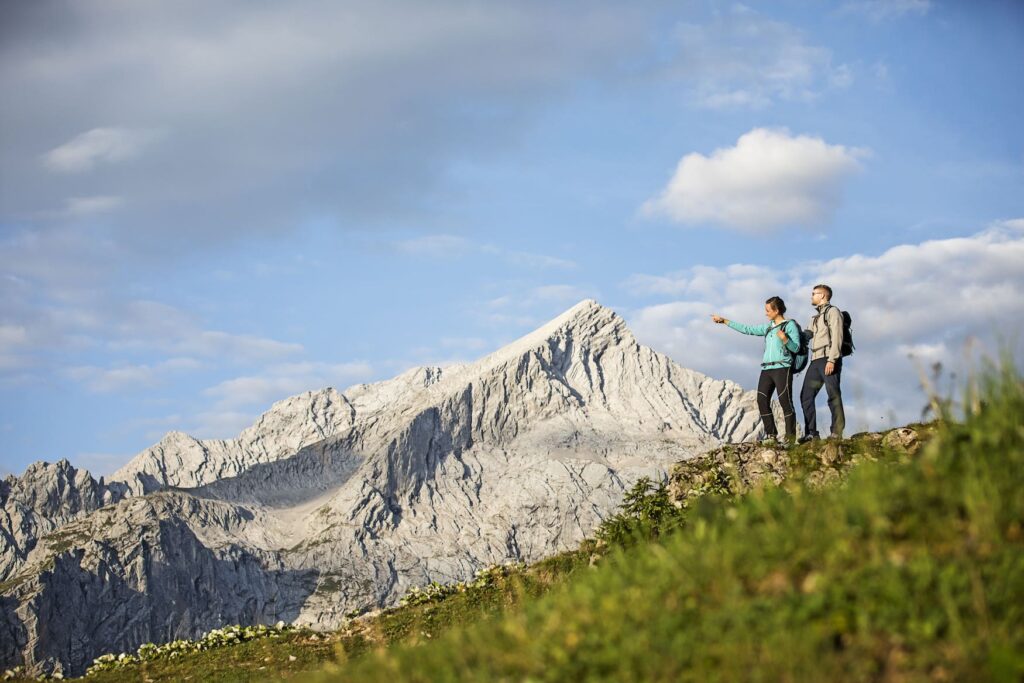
column 826, row 288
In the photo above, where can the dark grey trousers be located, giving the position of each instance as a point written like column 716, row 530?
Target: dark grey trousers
column 814, row 380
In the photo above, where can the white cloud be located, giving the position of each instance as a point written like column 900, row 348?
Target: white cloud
column 880, row 10
column 141, row 325
column 221, row 424
column 86, row 206
column 466, row 343
column 529, row 259
column 937, row 301
column 98, row 146
column 742, row 59
column 237, row 346
column 12, row 336
column 283, row 380
column 100, row 464
column 128, row 377
column 841, row 77
column 526, row 306
column 435, row 245
column 768, row 181
column 454, row 246
column 559, row 293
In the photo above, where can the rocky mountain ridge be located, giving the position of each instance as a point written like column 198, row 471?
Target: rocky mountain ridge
column 334, row 501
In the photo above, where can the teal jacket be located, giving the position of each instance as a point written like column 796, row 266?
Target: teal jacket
column 775, row 354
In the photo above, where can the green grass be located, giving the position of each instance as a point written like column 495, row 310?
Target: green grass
column 248, row 661
column 911, row 570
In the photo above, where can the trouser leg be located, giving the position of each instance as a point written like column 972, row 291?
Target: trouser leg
column 784, row 385
column 835, row 400
column 814, row 379
column 765, row 385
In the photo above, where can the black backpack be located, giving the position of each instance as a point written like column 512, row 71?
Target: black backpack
column 846, row 347
column 800, row 358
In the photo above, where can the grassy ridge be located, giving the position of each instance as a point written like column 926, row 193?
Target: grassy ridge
column 908, row 572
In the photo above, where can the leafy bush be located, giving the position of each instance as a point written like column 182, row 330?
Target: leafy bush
column 647, row 512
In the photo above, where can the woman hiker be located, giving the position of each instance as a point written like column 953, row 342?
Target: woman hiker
column 781, row 342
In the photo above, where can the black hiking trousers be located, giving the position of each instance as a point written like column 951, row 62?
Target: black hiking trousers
column 780, row 380
column 814, row 380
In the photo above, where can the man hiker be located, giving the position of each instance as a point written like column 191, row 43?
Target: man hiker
column 825, row 339
column 781, row 343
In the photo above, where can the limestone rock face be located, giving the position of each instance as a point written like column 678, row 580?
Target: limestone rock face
column 46, row 497
column 334, row 501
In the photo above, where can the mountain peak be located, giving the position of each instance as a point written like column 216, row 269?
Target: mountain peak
column 585, row 310
column 588, row 323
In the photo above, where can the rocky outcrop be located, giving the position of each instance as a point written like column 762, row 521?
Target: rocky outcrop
column 339, row 501
column 43, row 499
column 737, row 468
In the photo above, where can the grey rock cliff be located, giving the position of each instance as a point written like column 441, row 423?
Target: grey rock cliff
column 43, row 499
column 340, row 501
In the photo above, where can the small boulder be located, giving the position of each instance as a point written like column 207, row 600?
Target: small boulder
column 831, row 452
column 902, row 439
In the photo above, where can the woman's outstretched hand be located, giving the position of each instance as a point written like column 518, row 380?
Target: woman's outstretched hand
column 718, row 319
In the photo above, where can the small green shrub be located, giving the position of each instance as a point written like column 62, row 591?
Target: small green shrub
column 647, row 512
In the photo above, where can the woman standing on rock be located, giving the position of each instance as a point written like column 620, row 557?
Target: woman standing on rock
column 781, row 343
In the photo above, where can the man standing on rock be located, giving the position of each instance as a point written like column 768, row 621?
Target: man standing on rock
column 825, row 340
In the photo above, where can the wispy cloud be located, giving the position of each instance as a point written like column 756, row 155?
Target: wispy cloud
column 100, row 464
column 99, row 146
column 435, row 245
column 769, row 180
column 237, row 402
column 283, row 380
column 742, row 59
column 525, row 306
column 128, row 377
column 455, row 246
column 882, row 10
column 464, row 343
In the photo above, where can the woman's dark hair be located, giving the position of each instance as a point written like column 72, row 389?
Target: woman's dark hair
column 778, row 304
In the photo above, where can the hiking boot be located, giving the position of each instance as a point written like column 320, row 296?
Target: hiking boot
column 808, row 437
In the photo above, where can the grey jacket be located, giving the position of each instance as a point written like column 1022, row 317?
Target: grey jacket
column 825, row 333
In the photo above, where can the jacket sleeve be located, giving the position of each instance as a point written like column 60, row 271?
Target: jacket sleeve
column 756, row 330
column 834, row 320
column 792, row 342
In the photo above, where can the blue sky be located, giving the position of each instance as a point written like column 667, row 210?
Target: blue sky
column 208, row 207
